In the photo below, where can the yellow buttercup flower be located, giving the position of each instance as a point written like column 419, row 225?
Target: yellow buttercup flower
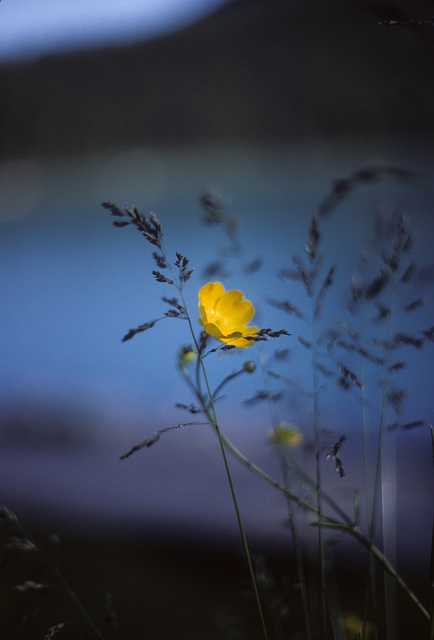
column 286, row 435
column 224, row 315
column 354, row 627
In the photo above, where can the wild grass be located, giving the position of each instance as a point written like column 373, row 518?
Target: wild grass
column 361, row 353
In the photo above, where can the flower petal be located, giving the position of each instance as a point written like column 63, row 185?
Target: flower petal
column 234, row 308
column 214, row 331
column 234, row 338
column 242, row 343
column 208, row 296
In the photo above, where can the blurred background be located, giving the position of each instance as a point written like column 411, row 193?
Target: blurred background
column 264, row 104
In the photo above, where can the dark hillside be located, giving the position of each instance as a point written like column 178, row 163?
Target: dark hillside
column 263, row 70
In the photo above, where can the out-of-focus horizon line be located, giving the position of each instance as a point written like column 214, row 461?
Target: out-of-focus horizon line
column 27, row 34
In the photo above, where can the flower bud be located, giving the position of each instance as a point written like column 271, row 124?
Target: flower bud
column 249, row 366
column 186, row 356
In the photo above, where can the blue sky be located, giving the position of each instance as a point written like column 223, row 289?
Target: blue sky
column 30, row 28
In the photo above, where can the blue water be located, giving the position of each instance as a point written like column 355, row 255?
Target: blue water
column 74, row 397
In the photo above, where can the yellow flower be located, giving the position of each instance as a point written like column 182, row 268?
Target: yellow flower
column 286, row 435
column 354, row 626
column 224, row 315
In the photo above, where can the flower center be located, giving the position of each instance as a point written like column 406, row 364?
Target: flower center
column 215, row 318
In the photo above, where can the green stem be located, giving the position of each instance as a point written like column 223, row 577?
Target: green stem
column 301, row 503
column 387, row 566
column 327, row 521
column 214, row 422
column 370, row 585
column 432, row 553
column 226, row 380
column 378, row 491
column 284, row 465
column 318, row 484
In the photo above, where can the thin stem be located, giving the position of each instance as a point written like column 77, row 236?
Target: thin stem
column 283, row 460
column 262, row 474
column 328, row 521
column 74, row 597
column 389, row 493
column 324, row 496
column 432, row 553
column 378, row 490
column 214, row 422
column 387, row 565
column 318, row 484
column 370, row 585
column 226, row 380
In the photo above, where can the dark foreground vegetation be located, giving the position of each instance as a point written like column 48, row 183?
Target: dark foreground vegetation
column 135, row 590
